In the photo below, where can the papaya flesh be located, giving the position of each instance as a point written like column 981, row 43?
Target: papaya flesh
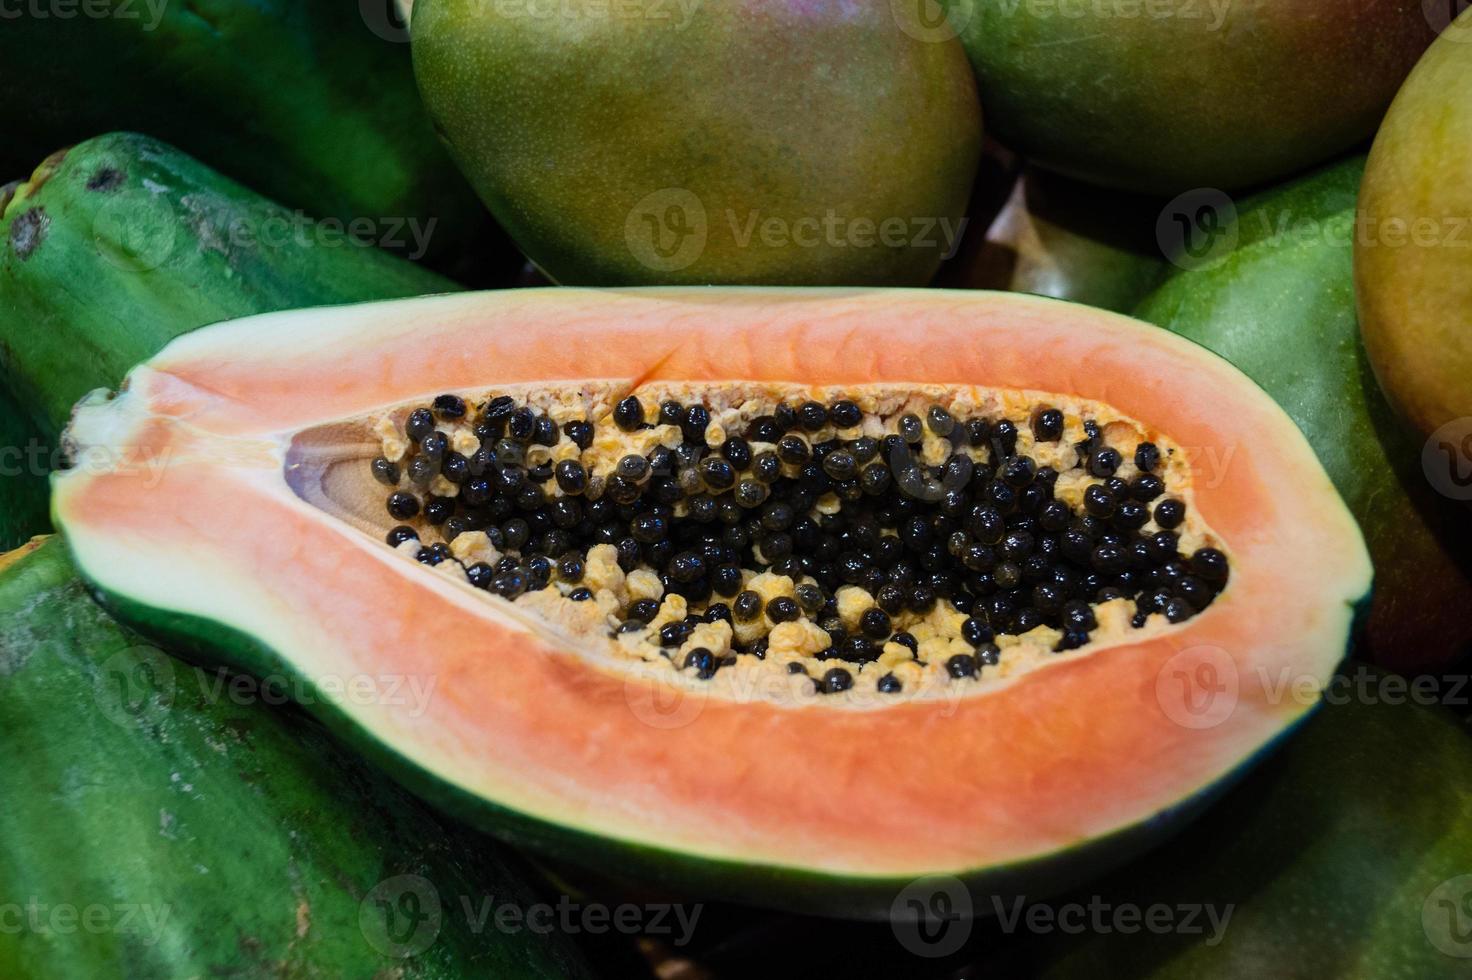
column 164, row 245
column 1166, row 98
column 784, row 143
column 1414, row 249
column 790, row 794
column 208, row 833
column 1283, row 859
column 1275, row 296
column 309, row 102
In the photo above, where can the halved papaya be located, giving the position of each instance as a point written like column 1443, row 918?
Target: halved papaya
column 785, row 595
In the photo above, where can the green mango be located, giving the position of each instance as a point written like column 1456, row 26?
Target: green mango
column 122, row 243
column 1413, row 261
column 161, row 821
column 791, row 143
column 309, row 102
column 1273, row 292
column 1162, row 97
column 1348, row 855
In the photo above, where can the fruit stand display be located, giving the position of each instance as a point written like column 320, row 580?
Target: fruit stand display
column 716, row 490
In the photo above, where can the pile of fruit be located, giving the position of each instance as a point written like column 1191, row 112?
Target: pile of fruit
column 714, row 490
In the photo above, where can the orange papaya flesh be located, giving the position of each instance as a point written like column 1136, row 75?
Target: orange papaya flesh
column 226, row 498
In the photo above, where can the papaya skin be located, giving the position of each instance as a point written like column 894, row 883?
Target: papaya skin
column 628, row 149
column 1413, row 263
column 1216, row 94
column 23, row 488
column 1280, row 305
column 1287, row 851
column 155, row 263
column 305, row 101
column 134, row 779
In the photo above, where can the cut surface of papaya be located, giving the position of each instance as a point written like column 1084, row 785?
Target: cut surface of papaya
column 787, row 595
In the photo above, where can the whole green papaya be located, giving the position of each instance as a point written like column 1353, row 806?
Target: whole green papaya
column 310, row 102
column 122, row 243
column 23, row 459
column 162, row 821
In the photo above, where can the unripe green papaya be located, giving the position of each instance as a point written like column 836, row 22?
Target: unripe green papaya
column 122, row 243
column 23, row 489
column 310, row 102
column 162, row 821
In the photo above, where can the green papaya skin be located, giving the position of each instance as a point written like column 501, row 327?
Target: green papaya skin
column 1161, row 98
column 236, row 837
column 23, row 487
column 306, row 101
column 1413, row 266
column 1280, row 305
column 763, row 142
column 1348, row 855
column 1057, row 237
column 122, row 243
